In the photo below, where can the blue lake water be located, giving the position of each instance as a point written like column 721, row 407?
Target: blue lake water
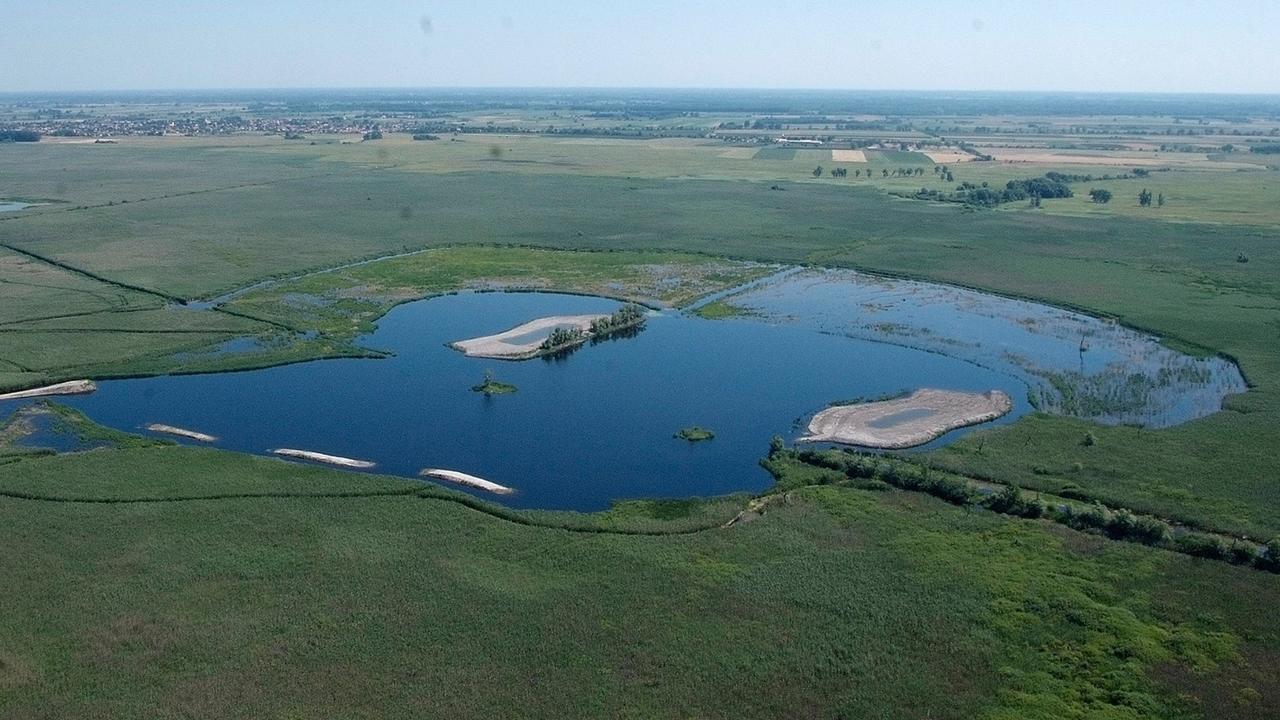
column 597, row 425
column 581, row 431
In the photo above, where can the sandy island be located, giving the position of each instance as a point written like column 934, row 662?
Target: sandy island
column 468, row 480
column 181, row 432
column 322, row 458
column 522, row 341
column 73, row 387
column 906, row 422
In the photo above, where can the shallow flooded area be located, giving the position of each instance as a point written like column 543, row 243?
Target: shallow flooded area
column 1073, row 364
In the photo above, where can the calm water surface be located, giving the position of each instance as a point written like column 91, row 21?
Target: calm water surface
column 581, row 431
column 598, row 424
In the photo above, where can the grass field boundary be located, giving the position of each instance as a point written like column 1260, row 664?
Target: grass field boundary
column 90, row 274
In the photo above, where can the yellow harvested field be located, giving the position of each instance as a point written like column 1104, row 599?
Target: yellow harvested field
column 853, row 156
column 945, row 157
column 1050, row 157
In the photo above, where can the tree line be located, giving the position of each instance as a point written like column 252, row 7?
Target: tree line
column 19, row 136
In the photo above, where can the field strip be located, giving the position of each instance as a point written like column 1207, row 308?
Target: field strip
column 853, row 156
column 188, row 193
column 90, row 274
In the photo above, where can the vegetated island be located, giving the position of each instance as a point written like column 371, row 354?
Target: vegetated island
column 563, row 332
column 181, row 432
column 464, row 479
column 493, row 387
column 906, row 422
column 694, row 433
column 337, row 460
column 72, row 387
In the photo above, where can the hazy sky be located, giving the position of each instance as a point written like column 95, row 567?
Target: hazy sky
column 1117, row 45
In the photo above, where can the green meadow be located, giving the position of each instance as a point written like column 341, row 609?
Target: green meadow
column 164, row 581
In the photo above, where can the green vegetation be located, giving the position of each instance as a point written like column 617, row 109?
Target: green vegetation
column 562, row 338
column 839, row 466
column 720, row 309
column 490, row 386
column 158, row 580
column 693, row 433
column 268, row 589
column 624, row 318
column 1052, row 185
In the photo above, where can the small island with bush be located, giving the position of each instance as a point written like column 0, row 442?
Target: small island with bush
column 493, row 387
column 693, row 433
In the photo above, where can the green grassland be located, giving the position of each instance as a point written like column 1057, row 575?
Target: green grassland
column 400, row 601
column 835, row 601
column 1179, row 279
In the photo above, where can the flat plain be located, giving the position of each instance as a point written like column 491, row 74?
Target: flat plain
column 236, row 586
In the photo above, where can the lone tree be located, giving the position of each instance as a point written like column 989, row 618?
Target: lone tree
column 1160, row 200
column 1100, row 196
column 1144, row 198
column 817, row 172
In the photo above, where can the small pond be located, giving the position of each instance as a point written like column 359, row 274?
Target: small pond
column 597, row 425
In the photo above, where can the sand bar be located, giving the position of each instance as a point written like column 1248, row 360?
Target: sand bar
column 522, row 341
column 73, row 387
column 323, row 458
column 181, row 432
column 908, row 421
column 468, row 480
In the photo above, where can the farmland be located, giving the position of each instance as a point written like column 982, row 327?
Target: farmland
column 222, row 582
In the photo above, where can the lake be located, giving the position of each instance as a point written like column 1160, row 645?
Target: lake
column 597, row 425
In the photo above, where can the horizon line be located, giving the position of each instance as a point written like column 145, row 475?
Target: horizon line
column 647, row 88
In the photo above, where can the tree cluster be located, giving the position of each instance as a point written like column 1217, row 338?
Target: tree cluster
column 623, row 317
column 562, row 336
column 1050, row 185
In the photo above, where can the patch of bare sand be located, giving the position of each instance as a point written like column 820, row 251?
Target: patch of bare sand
column 464, row 479
column 906, row 422
column 522, row 341
column 73, row 387
column 337, row 460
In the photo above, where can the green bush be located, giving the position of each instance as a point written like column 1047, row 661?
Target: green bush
column 1201, row 546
